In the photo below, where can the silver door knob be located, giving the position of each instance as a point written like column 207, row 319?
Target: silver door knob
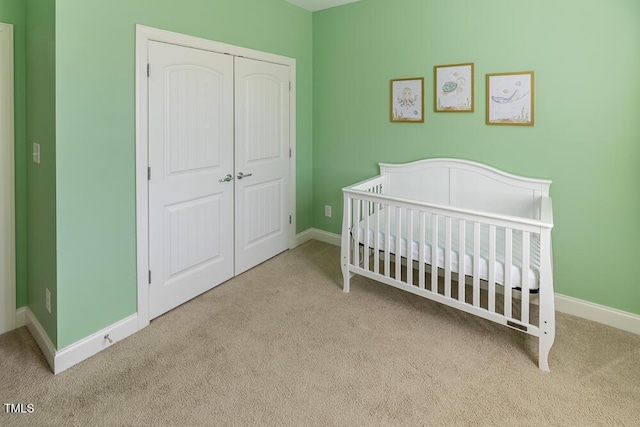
column 227, row 178
column 241, row 175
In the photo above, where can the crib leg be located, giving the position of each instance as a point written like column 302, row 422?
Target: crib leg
column 547, row 336
column 546, row 341
column 547, row 330
column 346, row 274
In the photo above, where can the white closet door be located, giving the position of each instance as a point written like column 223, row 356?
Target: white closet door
column 262, row 156
column 190, row 154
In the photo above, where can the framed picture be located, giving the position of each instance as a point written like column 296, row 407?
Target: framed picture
column 510, row 99
column 454, row 88
column 407, row 100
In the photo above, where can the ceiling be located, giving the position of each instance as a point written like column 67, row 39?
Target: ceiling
column 314, row 5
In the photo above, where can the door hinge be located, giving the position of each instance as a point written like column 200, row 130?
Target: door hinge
column 149, row 173
column 289, row 219
column 148, row 70
column 149, row 276
column 289, row 85
column 289, row 152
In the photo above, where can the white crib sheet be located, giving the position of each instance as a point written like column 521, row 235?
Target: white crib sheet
column 514, row 270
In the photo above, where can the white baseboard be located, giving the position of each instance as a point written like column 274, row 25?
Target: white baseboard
column 62, row 360
column 21, row 317
column 320, row 235
column 304, row 237
column 41, row 337
column 93, row 344
column 598, row 313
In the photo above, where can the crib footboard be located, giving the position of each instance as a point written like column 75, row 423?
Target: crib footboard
column 493, row 266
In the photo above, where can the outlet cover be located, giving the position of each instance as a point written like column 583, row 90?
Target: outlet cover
column 327, row 211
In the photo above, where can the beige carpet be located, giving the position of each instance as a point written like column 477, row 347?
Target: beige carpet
column 282, row 345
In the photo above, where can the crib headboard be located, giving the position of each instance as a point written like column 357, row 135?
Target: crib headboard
column 465, row 184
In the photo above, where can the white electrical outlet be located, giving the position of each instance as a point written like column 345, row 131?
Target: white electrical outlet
column 47, row 301
column 36, row 152
column 327, row 211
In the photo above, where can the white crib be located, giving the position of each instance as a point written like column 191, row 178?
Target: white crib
column 460, row 233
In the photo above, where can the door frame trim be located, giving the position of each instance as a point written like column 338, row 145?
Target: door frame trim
column 144, row 35
column 7, row 183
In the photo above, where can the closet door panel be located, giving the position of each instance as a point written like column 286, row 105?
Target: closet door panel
column 190, row 154
column 261, row 161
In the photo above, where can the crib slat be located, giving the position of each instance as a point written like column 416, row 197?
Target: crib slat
column 376, row 239
column 367, row 239
column 447, row 258
column 492, row 268
column 348, row 215
column 356, row 232
column 421, row 279
column 398, row 257
column 345, row 250
column 409, row 247
column 476, row 264
column 524, row 277
column 387, row 241
column 434, row 253
column 461, row 261
column 508, row 265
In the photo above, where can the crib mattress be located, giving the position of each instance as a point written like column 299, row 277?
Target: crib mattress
column 532, row 276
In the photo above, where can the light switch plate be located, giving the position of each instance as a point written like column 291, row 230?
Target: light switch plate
column 47, row 299
column 36, row 152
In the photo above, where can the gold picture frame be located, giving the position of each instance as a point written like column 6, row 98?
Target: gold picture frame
column 510, row 99
column 454, row 88
column 407, row 100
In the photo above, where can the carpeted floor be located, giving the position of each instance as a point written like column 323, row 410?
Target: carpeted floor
column 283, row 345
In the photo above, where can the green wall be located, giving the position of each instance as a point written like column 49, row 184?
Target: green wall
column 13, row 12
column 586, row 136
column 95, row 147
column 41, row 178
